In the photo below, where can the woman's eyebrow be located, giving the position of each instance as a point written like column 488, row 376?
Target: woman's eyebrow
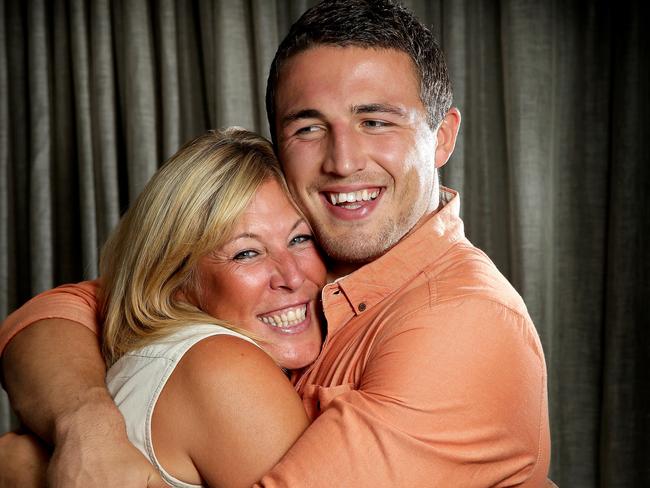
column 298, row 222
column 252, row 235
column 243, row 235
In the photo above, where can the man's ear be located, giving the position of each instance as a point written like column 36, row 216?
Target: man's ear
column 447, row 133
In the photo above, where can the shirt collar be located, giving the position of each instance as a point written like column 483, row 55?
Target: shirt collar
column 374, row 281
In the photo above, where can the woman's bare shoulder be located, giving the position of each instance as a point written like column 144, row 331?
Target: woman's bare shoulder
column 229, row 411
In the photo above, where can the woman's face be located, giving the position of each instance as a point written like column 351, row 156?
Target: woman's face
column 267, row 278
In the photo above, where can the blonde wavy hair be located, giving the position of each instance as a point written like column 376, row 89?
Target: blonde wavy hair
column 189, row 208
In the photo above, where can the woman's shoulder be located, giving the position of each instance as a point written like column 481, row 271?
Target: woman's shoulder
column 228, row 410
column 218, row 377
column 226, row 357
column 175, row 345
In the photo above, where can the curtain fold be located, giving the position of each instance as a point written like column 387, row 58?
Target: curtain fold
column 552, row 164
column 84, row 122
column 626, row 277
column 7, row 290
column 41, row 241
column 105, row 138
column 67, row 218
column 169, row 78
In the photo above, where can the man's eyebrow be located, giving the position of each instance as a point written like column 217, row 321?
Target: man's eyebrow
column 369, row 108
column 308, row 113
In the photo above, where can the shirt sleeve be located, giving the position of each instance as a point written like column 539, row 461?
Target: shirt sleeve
column 452, row 396
column 75, row 302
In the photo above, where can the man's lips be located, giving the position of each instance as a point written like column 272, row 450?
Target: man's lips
column 347, row 203
column 351, row 197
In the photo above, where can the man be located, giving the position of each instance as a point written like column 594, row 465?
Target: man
column 432, row 373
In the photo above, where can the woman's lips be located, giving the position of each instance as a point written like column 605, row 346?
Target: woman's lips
column 290, row 320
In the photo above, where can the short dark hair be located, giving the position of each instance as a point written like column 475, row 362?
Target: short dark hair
column 378, row 24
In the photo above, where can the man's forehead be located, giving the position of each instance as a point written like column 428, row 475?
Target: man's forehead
column 323, row 62
column 367, row 80
column 312, row 54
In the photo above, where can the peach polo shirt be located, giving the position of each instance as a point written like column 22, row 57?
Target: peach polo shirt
column 432, row 373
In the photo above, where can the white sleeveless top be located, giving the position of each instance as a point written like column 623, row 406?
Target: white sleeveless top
column 137, row 378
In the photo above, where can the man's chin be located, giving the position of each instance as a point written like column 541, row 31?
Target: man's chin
column 358, row 250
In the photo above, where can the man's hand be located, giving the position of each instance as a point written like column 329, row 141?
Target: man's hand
column 102, row 465
column 23, row 461
column 55, row 377
column 89, row 453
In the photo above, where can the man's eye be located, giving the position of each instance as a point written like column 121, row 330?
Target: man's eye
column 301, row 239
column 375, row 124
column 244, row 255
column 307, row 130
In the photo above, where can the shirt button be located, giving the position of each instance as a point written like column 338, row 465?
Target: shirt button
column 361, row 307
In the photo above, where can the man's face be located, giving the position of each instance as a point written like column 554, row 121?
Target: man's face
column 355, row 147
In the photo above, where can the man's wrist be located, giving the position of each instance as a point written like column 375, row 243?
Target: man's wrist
column 93, row 415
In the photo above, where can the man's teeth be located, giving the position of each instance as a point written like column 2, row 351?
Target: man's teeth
column 286, row 318
column 354, row 196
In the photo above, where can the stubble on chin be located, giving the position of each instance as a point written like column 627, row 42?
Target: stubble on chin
column 350, row 246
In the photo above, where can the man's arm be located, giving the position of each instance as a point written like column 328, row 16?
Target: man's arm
column 448, row 398
column 23, row 460
column 53, row 371
column 54, row 374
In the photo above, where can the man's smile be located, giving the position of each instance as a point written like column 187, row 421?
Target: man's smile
column 351, row 199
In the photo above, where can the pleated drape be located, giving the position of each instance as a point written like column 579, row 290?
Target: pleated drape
column 552, row 164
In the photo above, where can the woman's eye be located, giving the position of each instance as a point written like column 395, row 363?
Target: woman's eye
column 244, row 255
column 301, row 239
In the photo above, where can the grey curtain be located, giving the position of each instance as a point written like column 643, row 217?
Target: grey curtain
column 552, row 164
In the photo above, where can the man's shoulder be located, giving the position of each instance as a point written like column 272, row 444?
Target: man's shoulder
column 462, row 293
column 464, row 273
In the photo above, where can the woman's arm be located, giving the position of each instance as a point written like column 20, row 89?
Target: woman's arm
column 227, row 414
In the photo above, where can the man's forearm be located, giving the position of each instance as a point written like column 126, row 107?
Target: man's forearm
column 54, row 374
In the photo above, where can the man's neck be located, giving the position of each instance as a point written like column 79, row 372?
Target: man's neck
column 336, row 270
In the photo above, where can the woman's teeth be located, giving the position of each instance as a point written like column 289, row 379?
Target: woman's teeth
column 286, row 318
column 354, row 196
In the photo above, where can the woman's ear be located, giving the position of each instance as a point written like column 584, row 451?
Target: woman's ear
column 187, row 292
column 180, row 296
column 446, row 135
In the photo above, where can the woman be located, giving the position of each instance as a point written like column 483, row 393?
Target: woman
column 210, row 286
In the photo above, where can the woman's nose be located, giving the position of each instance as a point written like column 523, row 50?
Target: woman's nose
column 287, row 274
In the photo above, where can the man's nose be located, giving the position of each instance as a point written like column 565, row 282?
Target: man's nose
column 345, row 154
column 288, row 274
